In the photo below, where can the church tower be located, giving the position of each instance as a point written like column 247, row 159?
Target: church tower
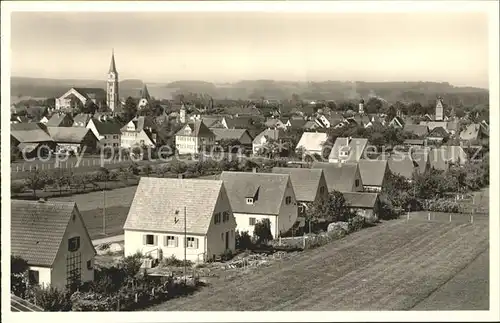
column 112, row 85
column 439, row 109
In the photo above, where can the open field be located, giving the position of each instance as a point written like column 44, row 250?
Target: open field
column 392, row 266
column 90, row 201
column 115, row 219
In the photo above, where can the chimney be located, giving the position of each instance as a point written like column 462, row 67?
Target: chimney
column 254, row 170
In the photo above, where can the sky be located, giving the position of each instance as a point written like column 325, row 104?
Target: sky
column 227, row 47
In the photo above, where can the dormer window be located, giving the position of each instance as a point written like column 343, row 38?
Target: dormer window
column 250, row 200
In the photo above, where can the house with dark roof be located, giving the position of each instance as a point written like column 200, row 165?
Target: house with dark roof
column 193, row 137
column 164, row 209
column 296, row 123
column 419, row 130
column 309, row 185
column 373, row 174
column 404, row 164
column 241, row 136
column 277, row 123
column 311, row 125
column 213, row 121
column 67, row 101
column 239, row 122
column 73, row 139
column 60, row 120
column 415, row 142
column 258, row 196
column 52, row 238
column 107, row 131
column 347, row 150
column 438, row 135
column 363, row 203
column 342, row 177
column 31, row 139
column 140, row 131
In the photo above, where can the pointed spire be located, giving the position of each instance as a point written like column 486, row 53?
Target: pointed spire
column 112, row 66
column 145, row 93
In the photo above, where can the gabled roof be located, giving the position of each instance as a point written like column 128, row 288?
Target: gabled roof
column 339, row 176
column 68, row 134
column 471, row 132
column 402, row 164
column 438, row 132
column 360, row 199
column 91, row 93
column 418, row 142
column 356, row 148
column 145, row 93
column 297, row 123
column 159, row 204
column 442, row 157
column 81, row 119
column 397, row 120
column 274, row 134
column 37, row 229
column 198, row 129
column 305, row 181
column 222, row 133
column 417, row 129
column 435, row 124
column 271, row 190
column 30, row 132
column 240, row 122
column 372, row 171
column 210, row 121
column 310, row 125
column 57, row 120
column 110, row 127
column 312, row 140
column 420, row 157
column 140, row 123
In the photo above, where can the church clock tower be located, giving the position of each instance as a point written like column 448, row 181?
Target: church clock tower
column 112, row 85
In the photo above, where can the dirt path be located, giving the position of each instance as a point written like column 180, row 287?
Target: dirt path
column 389, row 267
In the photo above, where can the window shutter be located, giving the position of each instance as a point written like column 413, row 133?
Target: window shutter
column 196, row 243
column 155, row 240
column 144, row 241
column 176, row 241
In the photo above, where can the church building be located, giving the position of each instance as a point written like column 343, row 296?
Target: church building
column 112, row 98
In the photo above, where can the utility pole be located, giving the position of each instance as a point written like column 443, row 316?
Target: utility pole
column 185, row 247
column 104, row 209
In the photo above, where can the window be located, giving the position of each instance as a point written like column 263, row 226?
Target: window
column 33, row 277
column 149, row 239
column 288, row 200
column 170, row 241
column 73, row 244
column 249, row 200
column 192, row 242
column 217, row 218
column 251, row 221
column 322, row 190
column 225, row 216
column 89, row 264
column 357, row 182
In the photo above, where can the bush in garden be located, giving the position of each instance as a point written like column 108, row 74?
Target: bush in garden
column 243, row 240
column 174, row 262
column 442, row 205
column 262, row 231
column 227, row 255
column 86, row 302
column 132, row 264
column 18, row 275
column 356, row 223
column 50, row 299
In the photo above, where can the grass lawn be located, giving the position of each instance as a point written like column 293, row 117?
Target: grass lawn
column 115, row 219
column 90, row 201
column 392, row 266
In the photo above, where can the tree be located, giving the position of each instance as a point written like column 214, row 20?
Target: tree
column 243, row 240
column 337, row 208
column 391, row 113
column 415, row 108
column 373, row 105
column 459, row 113
column 89, row 107
column 18, row 279
column 76, row 104
column 130, row 108
column 36, row 180
column 262, row 231
column 132, row 264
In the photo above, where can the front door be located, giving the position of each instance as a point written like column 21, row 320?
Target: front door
column 227, row 240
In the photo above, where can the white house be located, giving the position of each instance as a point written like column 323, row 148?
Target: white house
column 155, row 223
column 260, row 141
column 138, row 132
column 312, row 142
column 347, row 149
column 96, row 95
column 258, row 196
column 192, row 137
column 107, row 132
column 52, row 238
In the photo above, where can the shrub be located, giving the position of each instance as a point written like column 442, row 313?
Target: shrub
column 356, row 223
column 132, row 264
column 243, row 240
column 92, row 302
column 50, row 299
column 174, row 262
column 441, row 205
column 227, row 255
column 18, row 277
column 262, row 231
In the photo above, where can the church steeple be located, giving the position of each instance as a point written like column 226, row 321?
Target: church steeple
column 112, row 66
column 112, row 85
